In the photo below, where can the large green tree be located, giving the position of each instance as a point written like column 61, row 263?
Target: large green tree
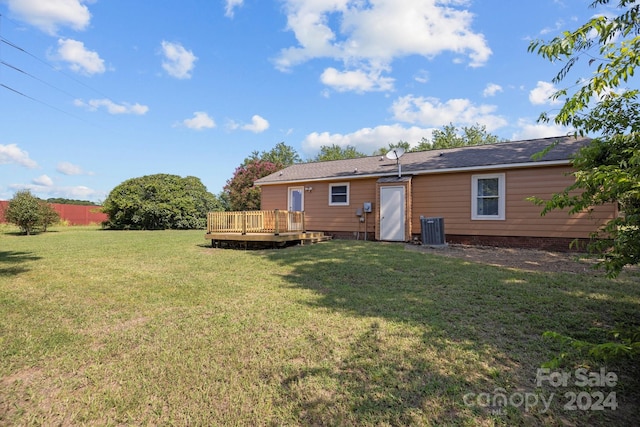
column 24, row 211
column 160, row 201
column 606, row 105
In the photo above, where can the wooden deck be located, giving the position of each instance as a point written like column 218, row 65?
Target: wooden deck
column 267, row 228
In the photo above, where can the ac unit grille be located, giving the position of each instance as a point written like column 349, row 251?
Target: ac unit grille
column 432, row 231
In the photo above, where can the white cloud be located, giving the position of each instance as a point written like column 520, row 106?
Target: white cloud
column 43, row 180
column 200, row 121
column 49, row 15
column 11, row 153
column 366, row 140
column 491, row 90
column 529, row 130
column 358, row 80
column 80, row 59
column 433, row 112
column 368, row 36
column 542, row 94
column 112, row 107
column 422, row 76
column 258, row 124
column 67, row 168
column 178, row 62
column 558, row 26
column 49, row 191
column 230, row 6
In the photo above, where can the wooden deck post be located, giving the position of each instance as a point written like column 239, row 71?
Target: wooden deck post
column 277, row 213
column 244, row 222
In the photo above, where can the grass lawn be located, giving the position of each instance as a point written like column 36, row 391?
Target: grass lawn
column 156, row 328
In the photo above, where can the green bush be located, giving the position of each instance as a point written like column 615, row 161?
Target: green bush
column 157, row 202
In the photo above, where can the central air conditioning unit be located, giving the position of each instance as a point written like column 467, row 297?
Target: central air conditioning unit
column 432, row 231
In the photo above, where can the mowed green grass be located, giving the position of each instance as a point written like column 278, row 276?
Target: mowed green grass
column 156, row 328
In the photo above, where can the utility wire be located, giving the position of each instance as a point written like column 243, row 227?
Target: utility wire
column 26, row 52
column 36, row 78
column 57, row 70
column 49, row 105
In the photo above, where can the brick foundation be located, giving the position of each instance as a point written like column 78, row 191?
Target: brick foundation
column 557, row 244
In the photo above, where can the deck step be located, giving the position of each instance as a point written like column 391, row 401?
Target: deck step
column 315, row 237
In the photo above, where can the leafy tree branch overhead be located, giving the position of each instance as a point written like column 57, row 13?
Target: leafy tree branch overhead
column 605, row 105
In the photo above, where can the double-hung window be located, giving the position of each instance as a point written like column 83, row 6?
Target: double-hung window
column 339, row 194
column 488, row 196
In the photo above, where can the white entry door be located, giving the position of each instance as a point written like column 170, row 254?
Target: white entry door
column 392, row 215
column 296, row 199
column 296, row 204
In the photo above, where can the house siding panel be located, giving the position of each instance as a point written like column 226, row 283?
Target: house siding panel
column 339, row 220
column 449, row 196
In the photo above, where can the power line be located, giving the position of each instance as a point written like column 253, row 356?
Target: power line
column 48, row 105
column 7, row 42
column 57, row 70
column 35, row 78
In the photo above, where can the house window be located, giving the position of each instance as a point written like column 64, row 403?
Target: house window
column 488, row 197
column 339, row 194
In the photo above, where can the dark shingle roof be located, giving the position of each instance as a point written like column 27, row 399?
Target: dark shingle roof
column 515, row 153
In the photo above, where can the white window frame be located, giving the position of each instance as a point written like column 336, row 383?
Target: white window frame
column 338, row 184
column 501, row 197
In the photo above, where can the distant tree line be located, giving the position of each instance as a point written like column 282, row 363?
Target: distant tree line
column 63, row 201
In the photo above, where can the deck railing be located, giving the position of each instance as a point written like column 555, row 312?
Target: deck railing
column 275, row 221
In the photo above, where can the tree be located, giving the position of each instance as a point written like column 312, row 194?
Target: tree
column 241, row 194
column 160, row 201
column 452, row 137
column 281, row 155
column 335, row 152
column 608, row 170
column 48, row 215
column 24, row 211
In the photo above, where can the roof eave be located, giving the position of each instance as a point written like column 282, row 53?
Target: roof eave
column 424, row 172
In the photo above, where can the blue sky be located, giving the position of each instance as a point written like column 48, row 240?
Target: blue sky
column 95, row 92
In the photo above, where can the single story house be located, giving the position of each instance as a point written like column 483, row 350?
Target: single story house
column 480, row 192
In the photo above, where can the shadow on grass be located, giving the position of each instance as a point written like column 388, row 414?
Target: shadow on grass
column 450, row 327
column 12, row 263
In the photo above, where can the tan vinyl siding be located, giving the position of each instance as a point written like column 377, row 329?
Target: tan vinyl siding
column 449, row 196
column 318, row 214
column 273, row 197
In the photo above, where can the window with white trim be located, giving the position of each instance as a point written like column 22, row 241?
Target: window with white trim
column 339, row 194
column 488, row 196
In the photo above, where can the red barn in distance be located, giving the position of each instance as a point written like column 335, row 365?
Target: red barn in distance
column 72, row 214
